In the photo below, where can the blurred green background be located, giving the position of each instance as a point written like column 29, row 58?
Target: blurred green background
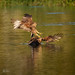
column 38, row 2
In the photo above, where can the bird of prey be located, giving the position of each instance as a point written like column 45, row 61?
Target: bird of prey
column 27, row 24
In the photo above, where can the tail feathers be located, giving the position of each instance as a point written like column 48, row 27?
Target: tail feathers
column 52, row 38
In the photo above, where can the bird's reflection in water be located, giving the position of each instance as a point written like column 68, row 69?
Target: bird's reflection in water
column 37, row 57
column 37, row 53
column 53, row 47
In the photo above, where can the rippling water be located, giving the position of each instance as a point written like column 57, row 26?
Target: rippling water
column 18, row 58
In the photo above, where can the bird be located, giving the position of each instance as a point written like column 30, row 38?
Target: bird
column 27, row 24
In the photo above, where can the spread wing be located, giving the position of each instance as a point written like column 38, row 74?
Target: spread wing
column 53, row 38
column 26, row 22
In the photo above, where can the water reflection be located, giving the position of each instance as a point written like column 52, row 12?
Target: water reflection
column 59, row 24
column 39, row 58
column 53, row 47
column 36, row 51
column 56, row 13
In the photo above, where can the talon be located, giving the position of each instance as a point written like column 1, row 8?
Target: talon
column 38, row 36
column 40, row 33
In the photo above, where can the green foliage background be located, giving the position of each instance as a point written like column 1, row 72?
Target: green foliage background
column 38, row 2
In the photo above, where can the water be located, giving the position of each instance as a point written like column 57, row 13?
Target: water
column 18, row 58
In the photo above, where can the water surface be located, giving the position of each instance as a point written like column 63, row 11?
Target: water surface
column 18, row 58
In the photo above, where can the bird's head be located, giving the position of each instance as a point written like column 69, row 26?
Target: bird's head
column 27, row 15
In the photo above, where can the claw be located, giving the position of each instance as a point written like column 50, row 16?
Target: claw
column 38, row 36
column 40, row 33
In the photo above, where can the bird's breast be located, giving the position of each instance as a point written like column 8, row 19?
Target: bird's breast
column 25, row 28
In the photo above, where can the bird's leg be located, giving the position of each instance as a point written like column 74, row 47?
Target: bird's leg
column 38, row 32
column 35, row 32
column 32, row 35
column 37, row 35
